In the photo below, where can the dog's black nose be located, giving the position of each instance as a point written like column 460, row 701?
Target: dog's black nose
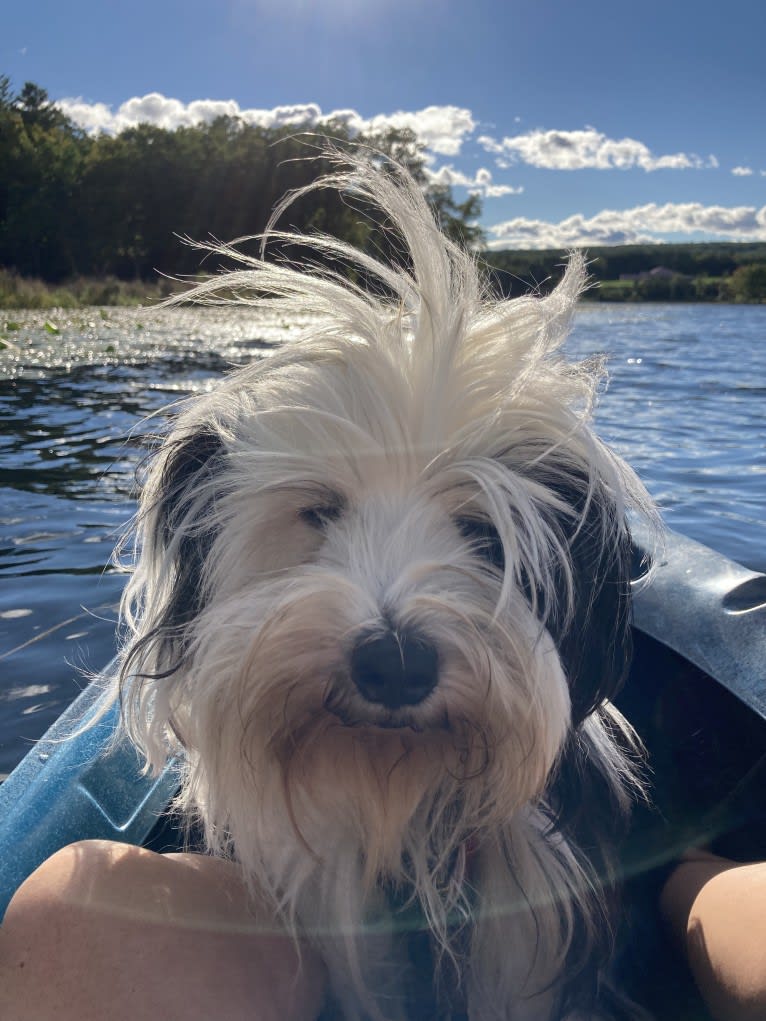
column 394, row 669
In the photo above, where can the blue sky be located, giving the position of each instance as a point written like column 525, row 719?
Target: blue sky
column 579, row 122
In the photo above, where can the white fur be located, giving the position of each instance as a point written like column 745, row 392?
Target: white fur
column 416, row 409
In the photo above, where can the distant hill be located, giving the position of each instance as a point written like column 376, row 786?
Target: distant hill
column 717, row 271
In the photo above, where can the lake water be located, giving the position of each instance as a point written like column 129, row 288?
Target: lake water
column 686, row 406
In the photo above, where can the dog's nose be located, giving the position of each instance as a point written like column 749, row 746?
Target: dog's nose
column 394, row 669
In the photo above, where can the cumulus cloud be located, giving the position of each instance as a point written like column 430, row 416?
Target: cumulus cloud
column 640, row 225
column 91, row 117
column 742, row 171
column 480, row 184
column 442, row 129
column 166, row 112
column 586, row 148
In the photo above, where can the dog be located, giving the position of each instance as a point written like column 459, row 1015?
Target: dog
column 380, row 607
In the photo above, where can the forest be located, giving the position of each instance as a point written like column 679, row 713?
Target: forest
column 98, row 219
column 74, row 205
column 705, row 271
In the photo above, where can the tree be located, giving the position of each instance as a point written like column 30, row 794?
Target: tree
column 41, row 154
column 458, row 220
column 36, row 109
column 748, row 283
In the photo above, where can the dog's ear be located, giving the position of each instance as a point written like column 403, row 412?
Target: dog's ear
column 594, row 641
column 594, row 638
column 175, row 533
column 182, row 523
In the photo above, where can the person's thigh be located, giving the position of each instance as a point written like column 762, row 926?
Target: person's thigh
column 108, row 931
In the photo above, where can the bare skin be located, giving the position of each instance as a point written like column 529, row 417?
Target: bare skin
column 715, row 909
column 108, row 932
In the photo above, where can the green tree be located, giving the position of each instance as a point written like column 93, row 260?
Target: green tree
column 748, row 283
column 458, row 220
column 41, row 154
column 37, row 110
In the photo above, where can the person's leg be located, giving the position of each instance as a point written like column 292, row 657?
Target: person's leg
column 716, row 910
column 107, row 931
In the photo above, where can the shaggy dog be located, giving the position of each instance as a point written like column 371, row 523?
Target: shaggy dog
column 380, row 607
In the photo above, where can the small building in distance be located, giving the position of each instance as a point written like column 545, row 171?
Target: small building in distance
column 657, row 273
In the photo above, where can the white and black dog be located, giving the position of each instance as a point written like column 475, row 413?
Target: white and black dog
column 381, row 604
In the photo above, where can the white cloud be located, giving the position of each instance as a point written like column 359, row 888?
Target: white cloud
column 639, row 225
column 91, row 117
column 742, row 171
column 165, row 112
column 481, row 183
column 442, row 129
column 586, row 148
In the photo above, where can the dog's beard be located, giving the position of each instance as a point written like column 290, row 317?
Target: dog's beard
column 282, row 746
column 323, row 798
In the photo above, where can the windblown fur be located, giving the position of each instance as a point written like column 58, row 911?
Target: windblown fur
column 417, row 471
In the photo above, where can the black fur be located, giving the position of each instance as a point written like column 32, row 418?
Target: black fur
column 189, row 463
column 592, row 631
column 184, row 536
column 595, row 642
column 591, row 625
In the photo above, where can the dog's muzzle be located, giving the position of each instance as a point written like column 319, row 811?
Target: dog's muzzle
column 394, row 669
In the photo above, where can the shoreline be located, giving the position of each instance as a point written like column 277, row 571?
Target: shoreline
column 20, row 293
column 29, row 294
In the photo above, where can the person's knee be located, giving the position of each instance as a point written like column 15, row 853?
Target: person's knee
column 46, row 939
column 109, row 930
column 69, row 877
column 715, row 909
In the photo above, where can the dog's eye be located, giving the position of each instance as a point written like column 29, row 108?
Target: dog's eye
column 484, row 538
column 320, row 515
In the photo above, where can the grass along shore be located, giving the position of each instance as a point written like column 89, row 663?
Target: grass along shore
column 17, row 292
column 747, row 285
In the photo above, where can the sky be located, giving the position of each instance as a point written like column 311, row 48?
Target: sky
column 579, row 123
